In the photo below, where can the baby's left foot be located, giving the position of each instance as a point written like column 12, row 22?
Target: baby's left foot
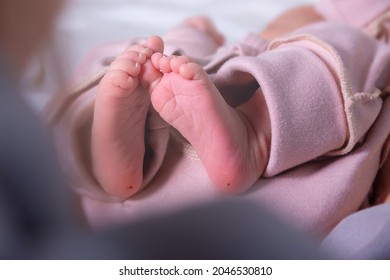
column 232, row 151
column 120, row 111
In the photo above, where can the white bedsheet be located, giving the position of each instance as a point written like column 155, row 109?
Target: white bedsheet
column 85, row 24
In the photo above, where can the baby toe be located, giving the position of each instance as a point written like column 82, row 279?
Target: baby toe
column 141, row 49
column 128, row 66
column 155, row 43
column 192, row 71
column 136, row 56
column 121, row 80
column 165, row 64
column 178, row 61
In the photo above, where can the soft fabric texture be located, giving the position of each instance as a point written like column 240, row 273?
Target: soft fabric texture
column 39, row 217
column 357, row 13
column 362, row 235
column 329, row 120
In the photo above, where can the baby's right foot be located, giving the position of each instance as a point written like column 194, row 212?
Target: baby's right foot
column 118, row 128
column 233, row 150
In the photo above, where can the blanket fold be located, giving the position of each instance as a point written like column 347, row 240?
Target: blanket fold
column 327, row 115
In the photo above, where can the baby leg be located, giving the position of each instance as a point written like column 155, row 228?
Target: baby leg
column 119, row 118
column 206, row 25
column 290, row 21
column 233, row 150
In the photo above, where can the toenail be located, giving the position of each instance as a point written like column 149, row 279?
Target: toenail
column 147, row 51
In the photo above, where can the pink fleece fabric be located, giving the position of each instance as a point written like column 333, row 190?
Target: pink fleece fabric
column 325, row 90
column 357, row 13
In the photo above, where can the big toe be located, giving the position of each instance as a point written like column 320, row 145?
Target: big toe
column 155, row 43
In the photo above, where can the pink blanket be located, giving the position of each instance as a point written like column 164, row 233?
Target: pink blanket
column 325, row 87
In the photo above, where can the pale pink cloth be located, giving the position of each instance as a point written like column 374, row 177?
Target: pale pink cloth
column 324, row 87
column 373, row 17
column 357, row 13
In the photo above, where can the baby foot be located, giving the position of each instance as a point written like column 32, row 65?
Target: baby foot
column 233, row 151
column 119, row 119
column 205, row 24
